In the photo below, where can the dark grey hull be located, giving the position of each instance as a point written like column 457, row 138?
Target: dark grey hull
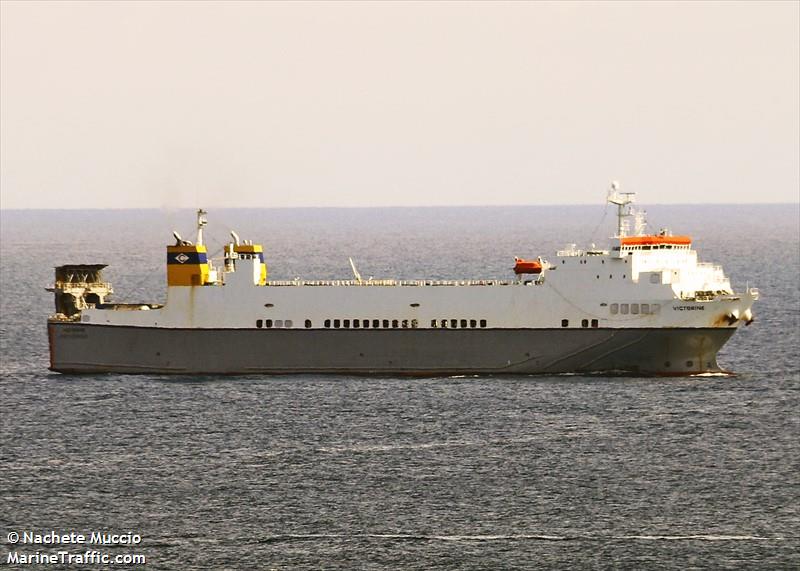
column 82, row 348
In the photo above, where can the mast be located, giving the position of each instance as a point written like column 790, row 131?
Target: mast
column 623, row 200
column 201, row 221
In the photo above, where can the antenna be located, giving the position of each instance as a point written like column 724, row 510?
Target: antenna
column 201, row 221
column 623, row 200
column 355, row 271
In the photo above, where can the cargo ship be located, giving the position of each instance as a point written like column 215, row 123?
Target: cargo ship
column 645, row 305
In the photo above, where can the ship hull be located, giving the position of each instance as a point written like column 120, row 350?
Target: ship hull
column 89, row 348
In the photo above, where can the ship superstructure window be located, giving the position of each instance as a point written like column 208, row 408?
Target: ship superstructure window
column 327, row 323
column 645, row 308
column 444, row 324
column 565, row 323
column 279, row 323
column 623, row 308
column 595, row 323
column 259, row 323
column 614, row 308
column 454, row 323
column 356, row 324
column 405, row 324
column 268, row 323
column 376, row 323
column 336, row 324
column 483, row 323
column 308, row 324
column 365, row 323
column 635, row 308
column 385, row 323
column 473, row 323
column 394, row 323
column 463, row 323
column 414, row 324
column 346, row 323
column 584, row 323
column 287, row 323
column 434, row 323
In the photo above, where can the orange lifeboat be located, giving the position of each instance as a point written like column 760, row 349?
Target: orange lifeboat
column 527, row 266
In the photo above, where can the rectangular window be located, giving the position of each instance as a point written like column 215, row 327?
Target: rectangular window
column 565, row 323
column 454, row 323
column 655, row 278
column 635, row 308
column 584, row 323
column 394, row 323
column 645, row 308
column 434, row 323
column 414, row 324
column 268, row 323
column 385, row 323
column 483, row 323
column 444, row 324
column 473, row 323
column 614, row 308
column 595, row 324
column 623, row 308
column 327, row 323
column 308, row 324
column 336, row 324
column 463, row 323
column 346, row 323
column 376, row 323
column 365, row 323
column 259, row 323
column 405, row 324
column 356, row 324
column 279, row 323
column 287, row 323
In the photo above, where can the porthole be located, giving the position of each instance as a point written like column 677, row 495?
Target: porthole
column 667, row 364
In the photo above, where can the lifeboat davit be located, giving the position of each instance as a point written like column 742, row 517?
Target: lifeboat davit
column 527, row 266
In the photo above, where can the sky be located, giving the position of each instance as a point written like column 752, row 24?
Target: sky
column 248, row 104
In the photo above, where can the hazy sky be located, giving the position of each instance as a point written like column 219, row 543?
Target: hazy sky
column 171, row 104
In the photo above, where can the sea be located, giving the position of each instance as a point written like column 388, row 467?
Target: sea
column 345, row 472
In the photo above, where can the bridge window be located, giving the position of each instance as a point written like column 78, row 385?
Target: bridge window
column 584, row 323
column 414, row 324
column 346, row 323
column 444, row 324
column 434, row 323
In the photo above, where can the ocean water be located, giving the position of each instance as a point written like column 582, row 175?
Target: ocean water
column 314, row 472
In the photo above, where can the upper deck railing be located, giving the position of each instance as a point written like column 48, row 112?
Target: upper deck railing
column 405, row 283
